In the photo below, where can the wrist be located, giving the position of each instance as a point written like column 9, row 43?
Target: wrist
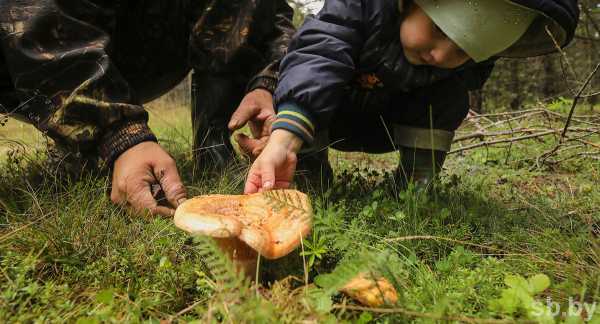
column 286, row 139
column 122, row 138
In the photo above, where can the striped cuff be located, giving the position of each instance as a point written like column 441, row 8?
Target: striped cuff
column 296, row 120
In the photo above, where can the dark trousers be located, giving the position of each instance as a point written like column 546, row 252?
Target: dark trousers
column 367, row 119
column 214, row 99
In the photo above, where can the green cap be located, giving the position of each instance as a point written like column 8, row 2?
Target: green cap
column 482, row 28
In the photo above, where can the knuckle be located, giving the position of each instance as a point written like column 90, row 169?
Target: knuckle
column 170, row 163
column 175, row 187
column 176, row 190
column 166, row 163
column 181, row 190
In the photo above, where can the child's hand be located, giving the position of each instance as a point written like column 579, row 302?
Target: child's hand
column 274, row 168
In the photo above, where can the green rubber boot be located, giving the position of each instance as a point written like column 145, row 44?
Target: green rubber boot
column 419, row 166
column 422, row 154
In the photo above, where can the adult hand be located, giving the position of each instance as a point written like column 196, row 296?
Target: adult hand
column 274, row 168
column 256, row 109
column 140, row 167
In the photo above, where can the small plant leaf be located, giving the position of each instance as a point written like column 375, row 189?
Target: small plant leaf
column 538, row 283
column 105, row 296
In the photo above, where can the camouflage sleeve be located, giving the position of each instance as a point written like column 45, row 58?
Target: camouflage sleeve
column 65, row 82
column 278, row 41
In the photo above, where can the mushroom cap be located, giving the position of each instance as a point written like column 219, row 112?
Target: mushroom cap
column 371, row 292
column 271, row 222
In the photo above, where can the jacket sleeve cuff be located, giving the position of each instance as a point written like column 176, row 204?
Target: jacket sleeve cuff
column 262, row 82
column 266, row 79
column 122, row 138
column 296, row 120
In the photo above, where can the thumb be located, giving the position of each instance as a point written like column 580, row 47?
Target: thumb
column 141, row 199
column 169, row 180
column 242, row 115
column 266, row 130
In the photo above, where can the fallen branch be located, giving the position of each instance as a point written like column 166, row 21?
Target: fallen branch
column 506, row 140
column 588, row 143
column 482, row 135
column 508, row 113
column 593, row 155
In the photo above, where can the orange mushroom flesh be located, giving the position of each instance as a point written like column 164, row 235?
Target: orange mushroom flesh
column 270, row 223
column 369, row 292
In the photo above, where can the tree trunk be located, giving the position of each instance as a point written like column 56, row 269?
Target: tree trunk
column 550, row 77
column 591, row 33
column 515, row 86
column 476, row 100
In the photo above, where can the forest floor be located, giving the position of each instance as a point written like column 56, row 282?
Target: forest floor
column 501, row 238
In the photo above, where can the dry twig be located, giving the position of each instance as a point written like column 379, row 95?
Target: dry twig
column 544, row 157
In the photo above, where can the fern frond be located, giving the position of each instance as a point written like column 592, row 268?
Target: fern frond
column 233, row 301
column 279, row 199
column 220, row 267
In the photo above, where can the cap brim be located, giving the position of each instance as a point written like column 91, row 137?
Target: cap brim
column 544, row 36
column 482, row 28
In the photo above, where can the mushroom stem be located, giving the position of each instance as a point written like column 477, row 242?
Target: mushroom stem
column 243, row 257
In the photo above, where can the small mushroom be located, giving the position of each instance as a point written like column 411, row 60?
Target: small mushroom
column 269, row 223
column 370, row 292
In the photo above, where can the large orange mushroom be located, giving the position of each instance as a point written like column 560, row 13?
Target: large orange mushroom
column 269, row 223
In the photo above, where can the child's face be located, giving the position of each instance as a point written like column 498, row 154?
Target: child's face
column 425, row 44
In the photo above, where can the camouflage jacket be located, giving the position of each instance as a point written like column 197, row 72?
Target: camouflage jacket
column 81, row 70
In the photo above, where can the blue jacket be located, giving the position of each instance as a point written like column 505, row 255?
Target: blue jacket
column 358, row 39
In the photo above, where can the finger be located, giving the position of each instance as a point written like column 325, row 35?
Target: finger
column 171, row 183
column 139, row 196
column 242, row 115
column 265, row 102
column 253, row 183
column 115, row 195
column 266, row 129
column 260, row 147
column 250, row 146
column 266, row 113
column 267, row 175
column 117, row 189
column 289, row 169
column 256, row 128
column 163, row 211
column 244, row 143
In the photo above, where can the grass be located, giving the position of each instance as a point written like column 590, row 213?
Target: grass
column 477, row 248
